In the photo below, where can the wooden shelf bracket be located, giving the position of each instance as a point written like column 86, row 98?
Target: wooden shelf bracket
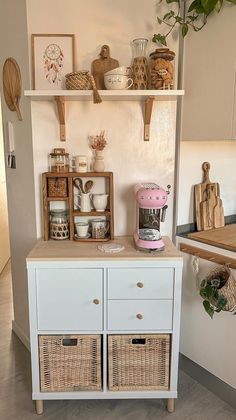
column 147, row 117
column 60, row 101
column 209, row 256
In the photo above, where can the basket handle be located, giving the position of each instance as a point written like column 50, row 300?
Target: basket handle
column 69, row 342
column 139, row 341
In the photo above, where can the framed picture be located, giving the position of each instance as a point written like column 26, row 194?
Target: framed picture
column 53, row 56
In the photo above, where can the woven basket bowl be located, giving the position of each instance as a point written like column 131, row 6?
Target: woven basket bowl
column 78, row 80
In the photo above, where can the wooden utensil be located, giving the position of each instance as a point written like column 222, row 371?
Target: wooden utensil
column 78, row 183
column 206, row 208
column 218, row 214
column 102, row 65
column 201, row 193
column 12, row 85
column 88, row 186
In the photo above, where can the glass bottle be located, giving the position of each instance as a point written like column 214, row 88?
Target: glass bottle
column 59, row 160
column 162, row 69
column 139, row 65
column 59, row 225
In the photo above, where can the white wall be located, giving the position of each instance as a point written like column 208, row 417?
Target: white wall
column 130, row 158
column 20, row 182
column 4, row 232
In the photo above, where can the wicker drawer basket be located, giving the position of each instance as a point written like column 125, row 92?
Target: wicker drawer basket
column 57, row 187
column 70, row 362
column 138, row 362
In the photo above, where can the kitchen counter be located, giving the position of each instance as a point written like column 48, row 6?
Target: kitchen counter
column 75, row 251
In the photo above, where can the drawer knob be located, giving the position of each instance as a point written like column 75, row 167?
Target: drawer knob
column 96, row 301
column 139, row 316
column 140, row 284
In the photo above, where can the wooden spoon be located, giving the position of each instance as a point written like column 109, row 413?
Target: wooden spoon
column 79, row 184
column 88, row 186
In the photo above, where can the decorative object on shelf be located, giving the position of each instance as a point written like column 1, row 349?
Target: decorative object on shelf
column 117, row 81
column 218, row 290
column 57, row 187
column 82, row 229
column 99, row 228
column 139, row 65
column 12, row 85
column 52, row 58
column 59, row 160
column 102, row 65
column 83, row 80
column 59, row 226
column 100, row 201
column 81, row 163
column 150, row 212
column 162, row 69
column 98, row 144
column 208, row 205
column 111, row 248
column 187, row 14
column 84, row 185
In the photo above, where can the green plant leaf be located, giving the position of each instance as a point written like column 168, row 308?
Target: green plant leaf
column 218, row 6
column 159, row 21
column 208, row 5
column 184, row 29
column 208, row 308
column 158, row 38
column 196, row 6
column 172, row 1
column 168, row 15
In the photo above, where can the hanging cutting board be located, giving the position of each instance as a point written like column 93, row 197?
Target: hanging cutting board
column 224, row 237
column 218, row 214
column 200, row 192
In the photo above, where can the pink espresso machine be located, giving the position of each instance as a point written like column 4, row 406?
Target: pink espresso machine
column 151, row 210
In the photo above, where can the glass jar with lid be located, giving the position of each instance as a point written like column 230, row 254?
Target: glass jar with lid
column 59, row 160
column 59, row 225
column 162, row 69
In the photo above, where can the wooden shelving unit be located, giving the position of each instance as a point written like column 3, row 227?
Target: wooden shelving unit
column 62, row 96
column 69, row 199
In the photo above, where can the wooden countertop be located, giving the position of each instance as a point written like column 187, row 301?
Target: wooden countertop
column 76, row 251
column 224, row 237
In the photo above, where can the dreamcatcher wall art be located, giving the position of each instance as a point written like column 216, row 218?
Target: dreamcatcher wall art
column 52, row 58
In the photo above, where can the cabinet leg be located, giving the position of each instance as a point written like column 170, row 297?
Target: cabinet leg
column 170, row 405
column 39, row 406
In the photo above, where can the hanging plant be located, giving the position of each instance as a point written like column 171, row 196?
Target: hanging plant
column 188, row 15
column 218, row 291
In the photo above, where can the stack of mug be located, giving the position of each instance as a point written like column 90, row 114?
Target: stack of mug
column 118, row 78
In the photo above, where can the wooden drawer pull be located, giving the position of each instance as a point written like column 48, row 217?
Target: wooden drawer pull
column 140, row 284
column 96, row 301
column 139, row 316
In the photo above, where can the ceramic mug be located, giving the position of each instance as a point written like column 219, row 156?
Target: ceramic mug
column 99, row 228
column 120, row 70
column 82, row 229
column 117, row 81
column 100, row 201
column 81, row 163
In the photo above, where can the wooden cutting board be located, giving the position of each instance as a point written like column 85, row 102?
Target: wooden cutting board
column 224, row 237
column 202, row 196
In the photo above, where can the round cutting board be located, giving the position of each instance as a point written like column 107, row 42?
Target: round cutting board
column 12, row 85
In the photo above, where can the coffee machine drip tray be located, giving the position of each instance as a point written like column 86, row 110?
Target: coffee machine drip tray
column 149, row 234
column 148, row 242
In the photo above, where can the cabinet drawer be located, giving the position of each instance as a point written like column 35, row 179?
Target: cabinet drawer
column 142, row 283
column 65, row 299
column 126, row 314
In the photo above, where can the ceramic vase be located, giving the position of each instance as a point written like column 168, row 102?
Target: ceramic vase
column 99, row 164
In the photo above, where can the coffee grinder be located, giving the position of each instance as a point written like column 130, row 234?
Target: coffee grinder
column 151, row 210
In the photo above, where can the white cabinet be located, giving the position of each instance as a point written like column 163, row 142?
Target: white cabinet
column 209, row 111
column 78, row 296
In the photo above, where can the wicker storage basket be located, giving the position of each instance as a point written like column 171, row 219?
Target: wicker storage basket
column 57, row 187
column 78, row 80
column 70, row 363
column 138, row 362
column 229, row 288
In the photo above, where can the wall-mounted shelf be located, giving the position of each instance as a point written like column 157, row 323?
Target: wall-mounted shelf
column 209, row 256
column 62, row 96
